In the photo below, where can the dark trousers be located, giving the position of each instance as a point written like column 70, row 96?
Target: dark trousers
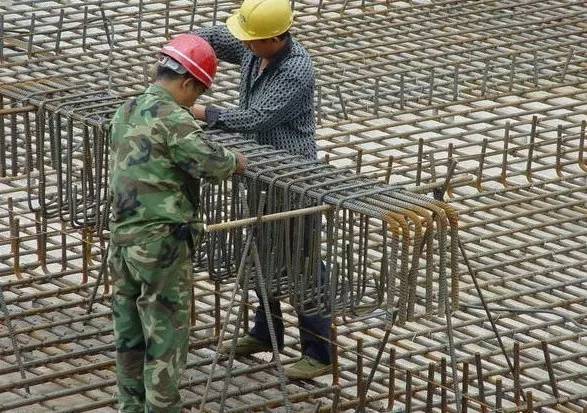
column 314, row 329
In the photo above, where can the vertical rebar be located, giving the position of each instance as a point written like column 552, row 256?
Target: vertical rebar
column 376, row 97
column 388, row 169
column 480, row 381
column 401, row 91
column 484, row 304
column 319, row 105
column 140, row 22
column 549, row 369
column 59, row 30
column 408, row 391
column 512, row 73
column 193, row 315
column 391, row 379
column 581, row 155
column 531, row 148
column 455, row 88
column 15, row 238
column 481, row 164
column 31, row 35
column 1, row 39
column 465, row 388
column 86, row 251
column 63, row 246
column 14, row 145
column 535, row 67
column 10, row 207
column 167, row 6
column 85, row 28
column 109, row 70
column 104, row 268
column 334, row 354
column 8, row 323
column 517, row 388
column 319, row 7
column 359, row 163
column 41, row 240
column 29, row 161
column 265, row 302
column 443, row 386
column 419, row 161
column 193, row 14
column 105, row 25
column 567, row 62
column 559, row 147
column 504, row 160
column 341, row 101
column 215, row 13
column 335, row 400
column 346, row 2
column 485, row 76
column 217, row 308
column 2, row 141
column 451, row 344
column 431, row 88
column 430, row 388
column 361, row 396
column 112, row 32
column 432, row 167
column 498, row 395
column 529, row 402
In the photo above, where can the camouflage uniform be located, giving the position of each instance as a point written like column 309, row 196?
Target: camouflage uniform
column 156, row 159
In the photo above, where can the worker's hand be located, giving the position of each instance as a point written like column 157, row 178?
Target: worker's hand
column 199, row 112
column 241, row 163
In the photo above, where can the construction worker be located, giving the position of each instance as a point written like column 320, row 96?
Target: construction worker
column 276, row 107
column 157, row 156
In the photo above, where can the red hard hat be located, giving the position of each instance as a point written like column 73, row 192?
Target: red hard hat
column 195, row 55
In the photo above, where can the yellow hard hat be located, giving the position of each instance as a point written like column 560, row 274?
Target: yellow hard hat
column 260, row 19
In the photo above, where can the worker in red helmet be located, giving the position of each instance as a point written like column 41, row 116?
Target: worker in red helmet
column 157, row 157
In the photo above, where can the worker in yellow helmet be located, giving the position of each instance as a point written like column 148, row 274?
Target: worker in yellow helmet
column 276, row 107
column 277, row 78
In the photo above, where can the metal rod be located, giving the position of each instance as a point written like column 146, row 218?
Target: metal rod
column 267, row 218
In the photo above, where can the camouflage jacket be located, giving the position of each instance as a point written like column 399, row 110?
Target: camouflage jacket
column 157, row 156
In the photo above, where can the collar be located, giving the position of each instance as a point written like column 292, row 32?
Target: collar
column 160, row 91
column 282, row 55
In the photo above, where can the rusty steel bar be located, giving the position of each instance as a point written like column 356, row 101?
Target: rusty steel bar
column 388, row 74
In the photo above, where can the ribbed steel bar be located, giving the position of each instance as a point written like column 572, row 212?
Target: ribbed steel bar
column 517, row 71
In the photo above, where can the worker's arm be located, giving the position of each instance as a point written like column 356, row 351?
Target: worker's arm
column 285, row 99
column 227, row 47
column 195, row 155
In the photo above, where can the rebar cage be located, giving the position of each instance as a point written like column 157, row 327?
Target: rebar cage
column 404, row 90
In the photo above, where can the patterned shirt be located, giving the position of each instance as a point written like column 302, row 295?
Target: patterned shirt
column 157, row 156
column 276, row 106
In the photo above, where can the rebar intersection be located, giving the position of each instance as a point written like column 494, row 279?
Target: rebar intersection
column 403, row 89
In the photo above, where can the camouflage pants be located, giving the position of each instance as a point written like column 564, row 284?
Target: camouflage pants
column 151, row 310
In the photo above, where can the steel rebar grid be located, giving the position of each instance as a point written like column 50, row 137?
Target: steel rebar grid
column 556, row 204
